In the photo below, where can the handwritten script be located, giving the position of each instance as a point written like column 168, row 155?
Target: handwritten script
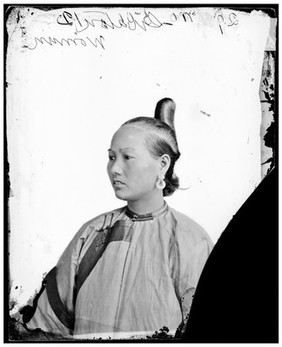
column 143, row 20
column 97, row 42
column 225, row 20
column 132, row 21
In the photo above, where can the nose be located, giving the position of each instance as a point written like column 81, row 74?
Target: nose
column 115, row 167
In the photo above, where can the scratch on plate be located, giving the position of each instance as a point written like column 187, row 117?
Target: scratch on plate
column 205, row 113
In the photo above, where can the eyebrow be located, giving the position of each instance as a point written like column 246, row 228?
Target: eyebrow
column 122, row 149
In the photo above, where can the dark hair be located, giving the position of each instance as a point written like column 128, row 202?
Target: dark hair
column 161, row 138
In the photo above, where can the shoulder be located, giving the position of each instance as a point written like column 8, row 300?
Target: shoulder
column 187, row 230
column 89, row 230
column 104, row 220
column 99, row 223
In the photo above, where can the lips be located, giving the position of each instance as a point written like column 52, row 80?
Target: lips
column 118, row 183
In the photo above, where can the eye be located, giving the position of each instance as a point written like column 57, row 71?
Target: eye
column 127, row 157
column 111, row 157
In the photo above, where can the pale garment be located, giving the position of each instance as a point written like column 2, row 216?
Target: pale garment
column 124, row 274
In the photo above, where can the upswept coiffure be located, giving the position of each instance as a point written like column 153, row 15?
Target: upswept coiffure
column 161, row 138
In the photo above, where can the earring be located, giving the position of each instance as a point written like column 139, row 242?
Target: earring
column 160, row 182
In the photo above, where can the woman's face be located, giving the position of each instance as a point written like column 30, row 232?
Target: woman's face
column 132, row 170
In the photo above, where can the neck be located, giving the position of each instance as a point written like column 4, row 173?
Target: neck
column 144, row 207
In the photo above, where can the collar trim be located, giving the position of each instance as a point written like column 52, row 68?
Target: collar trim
column 148, row 216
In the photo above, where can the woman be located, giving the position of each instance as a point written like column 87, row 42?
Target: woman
column 135, row 269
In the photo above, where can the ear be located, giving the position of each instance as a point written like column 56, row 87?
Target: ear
column 165, row 163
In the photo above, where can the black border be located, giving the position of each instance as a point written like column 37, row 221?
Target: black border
column 272, row 10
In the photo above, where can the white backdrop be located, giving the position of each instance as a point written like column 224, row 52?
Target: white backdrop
column 68, row 93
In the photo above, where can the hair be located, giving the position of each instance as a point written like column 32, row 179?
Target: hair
column 161, row 138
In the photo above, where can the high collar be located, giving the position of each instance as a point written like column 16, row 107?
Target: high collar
column 148, row 216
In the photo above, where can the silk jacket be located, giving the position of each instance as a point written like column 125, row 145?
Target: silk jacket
column 124, row 274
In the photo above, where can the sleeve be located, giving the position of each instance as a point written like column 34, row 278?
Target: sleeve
column 191, row 261
column 50, row 315
column 189, row 280
column 53, row 307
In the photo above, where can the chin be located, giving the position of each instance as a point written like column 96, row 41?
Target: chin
column 121, row 196
column 126, row 196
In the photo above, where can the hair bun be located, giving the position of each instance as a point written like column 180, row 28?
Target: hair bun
column 164, row 111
